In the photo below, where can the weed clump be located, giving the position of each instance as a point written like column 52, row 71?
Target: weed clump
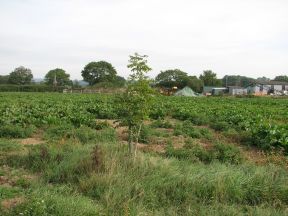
column 188, row 129
column 194, row 152
column 220, row 126
column 161, row 124
column 16, row 131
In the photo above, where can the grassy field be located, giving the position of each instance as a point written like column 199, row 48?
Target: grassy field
column 67, row 155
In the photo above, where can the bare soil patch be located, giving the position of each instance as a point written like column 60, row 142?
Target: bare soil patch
column 151, row 148
column 31, row 141
column 11, row 203
column 36, row 139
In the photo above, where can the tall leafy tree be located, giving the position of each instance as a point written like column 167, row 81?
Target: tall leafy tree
column 4, row 79
column 263, row 79
column 237, row 80
column 100, row 71
column 194, row 83
column 282, row 78
column 209, row 78
column 20, row 76
column 137, row 100
column 171, row 78
column 178, row 78
column 62, row 78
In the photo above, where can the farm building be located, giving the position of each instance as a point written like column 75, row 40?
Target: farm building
column 186, row 92
column 210, row 90
column 237, row 90
column 265, row 88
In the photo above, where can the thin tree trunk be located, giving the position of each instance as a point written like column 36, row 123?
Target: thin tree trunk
column 130, row 141
column 137, row 138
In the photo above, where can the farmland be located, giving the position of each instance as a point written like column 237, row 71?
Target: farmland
column 66, row 154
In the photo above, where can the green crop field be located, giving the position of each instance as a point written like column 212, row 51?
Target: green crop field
column 67, row 154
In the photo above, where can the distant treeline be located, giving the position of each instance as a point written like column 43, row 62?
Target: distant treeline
column 102, row 74
column 30, row 88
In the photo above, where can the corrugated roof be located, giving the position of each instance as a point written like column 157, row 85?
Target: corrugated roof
column 273, row 82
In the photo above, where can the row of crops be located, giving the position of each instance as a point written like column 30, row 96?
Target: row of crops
column 265, row 119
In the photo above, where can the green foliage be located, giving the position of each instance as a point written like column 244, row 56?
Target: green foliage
column 30, row 88
column 161, row 124
column 139, row 68
column 268, row 136
column 192, row 151
column 281, row 78
column 171, row 78
column 188, row 129
column 20, row 76
column 195, row 152
column 4, row 79
column 8, row 192
column 98, row 125
column 194, row 83
column 250, row 117
column 137, row 100
column 237, row 81
column 220, row 125
column 59, row 200
column 96, row 72
column 8, row 145
column 62, row 78
column 178, row 78
column 84, row 134
column 226, row 153
column 83, row 170
column 210, row 79
column 16, row 131
column 145, row 134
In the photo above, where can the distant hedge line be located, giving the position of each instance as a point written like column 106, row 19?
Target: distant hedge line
column 30, row 88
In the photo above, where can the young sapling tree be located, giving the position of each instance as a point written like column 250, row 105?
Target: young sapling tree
column 137, row 100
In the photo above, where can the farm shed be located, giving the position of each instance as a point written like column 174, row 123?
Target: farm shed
column 265, row 88
column 211, row 90
column 237, row 90
column 219, row 91
column 186, row 91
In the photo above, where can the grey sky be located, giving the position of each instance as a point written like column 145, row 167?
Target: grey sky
column 247, row 37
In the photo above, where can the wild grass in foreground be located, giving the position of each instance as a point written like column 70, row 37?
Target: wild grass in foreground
column 90, row 173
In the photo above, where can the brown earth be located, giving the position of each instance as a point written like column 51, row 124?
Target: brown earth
column 11, row 203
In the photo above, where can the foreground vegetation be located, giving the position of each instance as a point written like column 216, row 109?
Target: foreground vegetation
column 67, row 155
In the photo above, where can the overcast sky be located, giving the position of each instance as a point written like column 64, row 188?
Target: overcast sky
column 246, row 37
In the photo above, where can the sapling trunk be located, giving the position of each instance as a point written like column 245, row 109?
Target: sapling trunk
column 130, row 140
column 137, row 139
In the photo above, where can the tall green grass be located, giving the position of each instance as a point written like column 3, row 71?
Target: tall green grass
column 88, row 180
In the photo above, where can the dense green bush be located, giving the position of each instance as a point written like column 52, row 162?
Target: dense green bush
column 227, row 153
column 220, row 126
column 188, row 129
column 161, row 124
column 16, row 131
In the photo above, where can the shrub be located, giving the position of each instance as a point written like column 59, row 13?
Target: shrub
column 188, row 129
column 191, row 151
column 98, row 125
column 145, row 133
column 199, row 119
column 16, row 131
column 84, row 134
column 161, row 124
column 7, row 145
column 59, row 131
column 227, row 153
column 220, row 126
